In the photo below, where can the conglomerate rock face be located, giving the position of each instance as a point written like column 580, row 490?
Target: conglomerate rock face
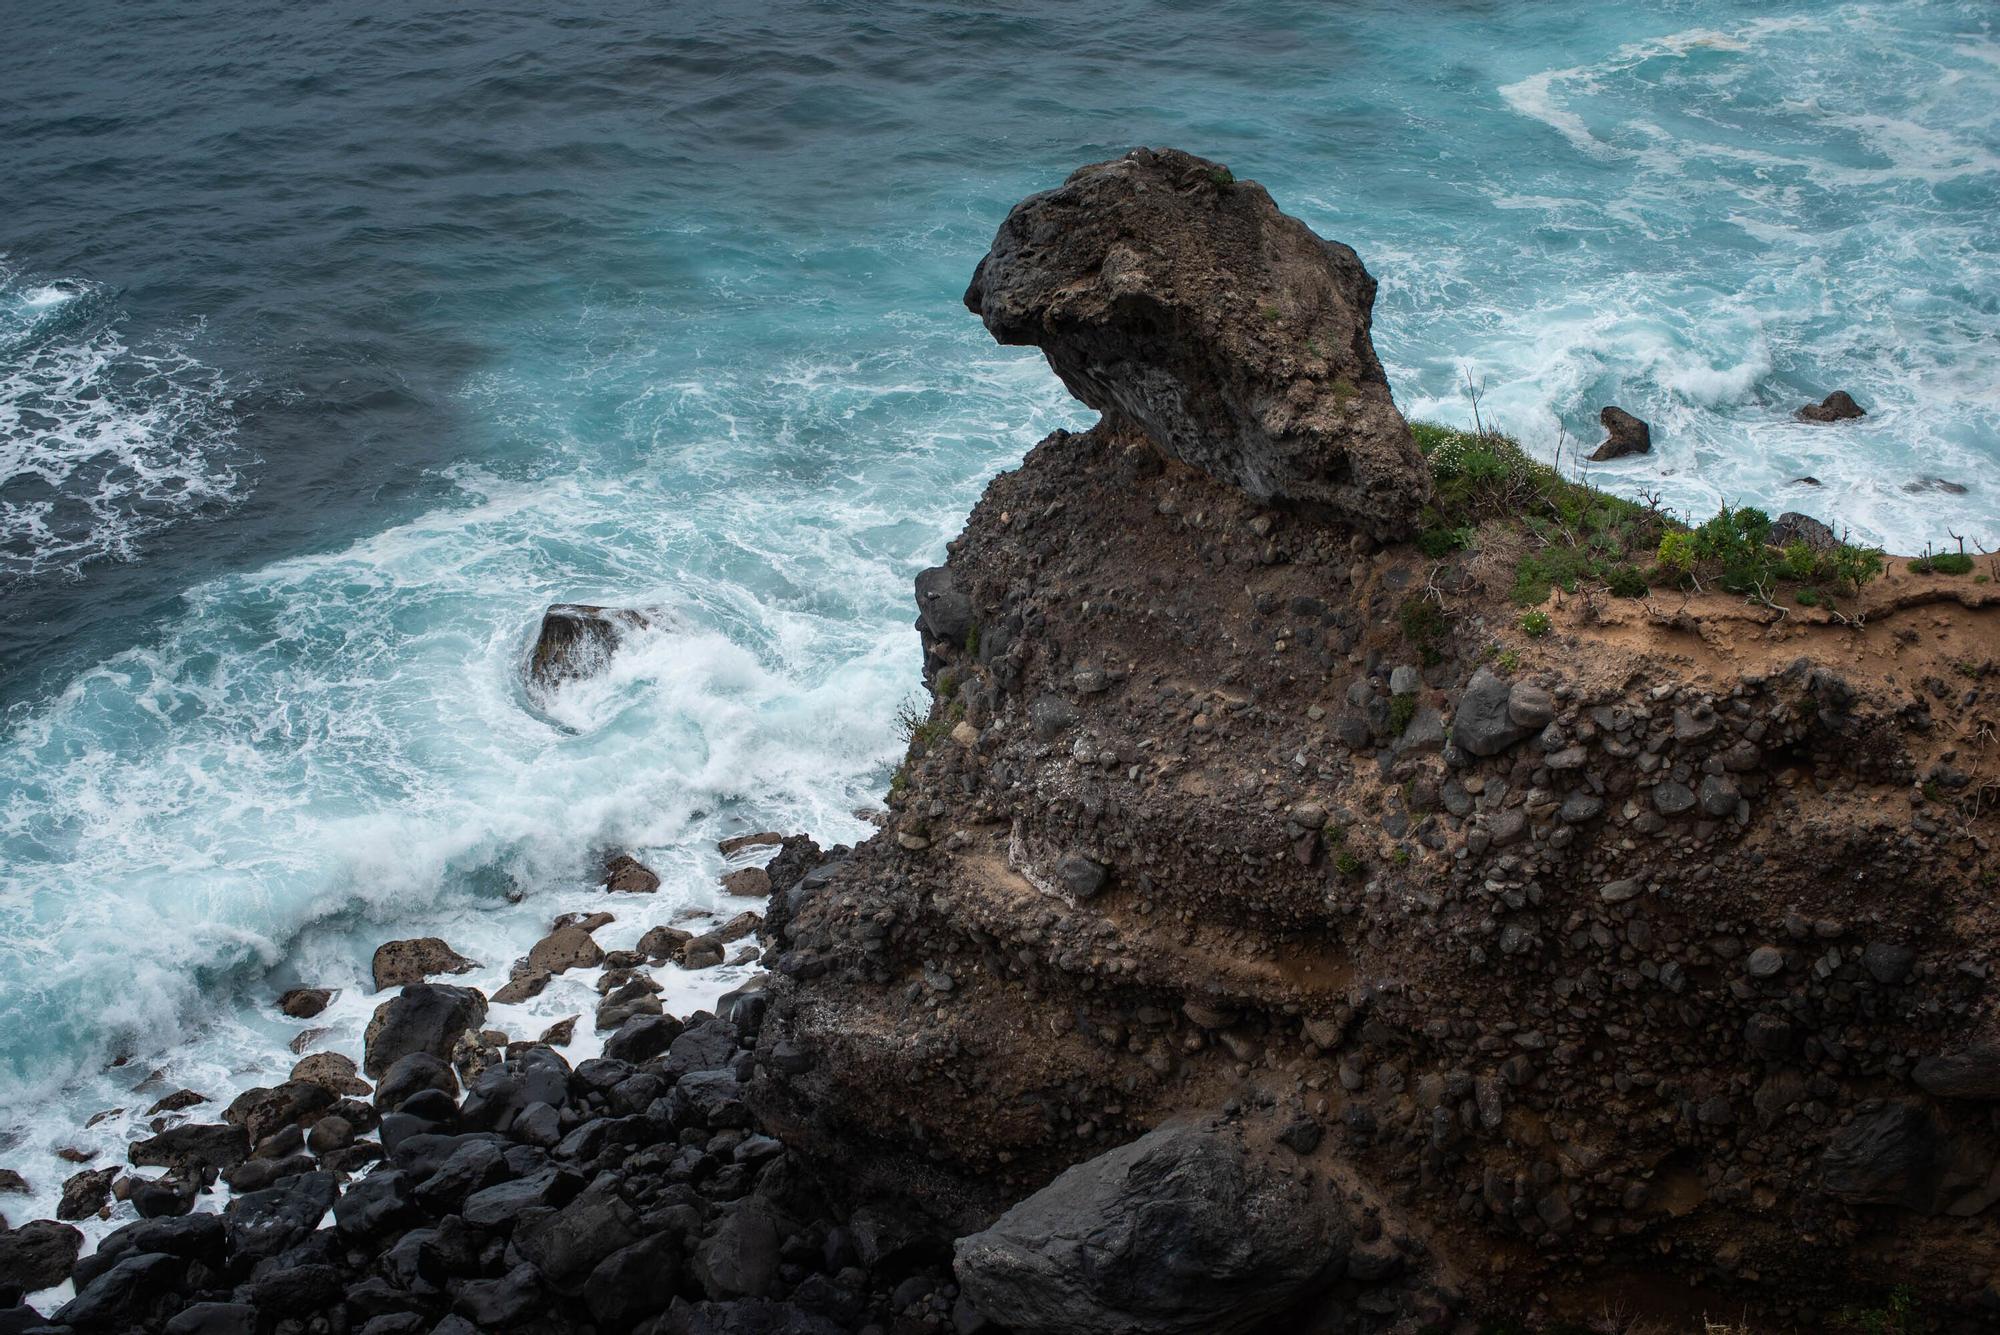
column 1643, row 965
column 1181, row 302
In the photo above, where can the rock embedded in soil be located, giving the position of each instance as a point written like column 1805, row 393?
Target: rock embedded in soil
column 1180, row 1232
column 398, row 963
column 1624, row 435
column 1187, row 308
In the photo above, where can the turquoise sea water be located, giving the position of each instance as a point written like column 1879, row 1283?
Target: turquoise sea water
column 335, row 342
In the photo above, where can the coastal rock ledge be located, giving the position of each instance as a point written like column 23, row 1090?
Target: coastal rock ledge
column 1268, row 931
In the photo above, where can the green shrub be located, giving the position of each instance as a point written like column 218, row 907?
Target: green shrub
column 1627, row 581
column 1222, row 176
column 1346, row 863
column 1402, row 709
column 1535, row 624
column 1440, row 542
column 1942, row 563
column 1424, row 626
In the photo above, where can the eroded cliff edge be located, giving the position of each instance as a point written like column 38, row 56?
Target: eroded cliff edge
column 1642, row 964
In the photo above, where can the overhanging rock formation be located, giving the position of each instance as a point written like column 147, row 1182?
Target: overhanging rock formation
column 1181, row 302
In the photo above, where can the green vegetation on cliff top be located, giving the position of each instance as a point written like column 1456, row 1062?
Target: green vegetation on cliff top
column 1571, row 535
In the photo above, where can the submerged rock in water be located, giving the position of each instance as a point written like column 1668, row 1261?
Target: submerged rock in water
column 1182, row 303
column 1938, row 484
column 1624, row 434
column 577, row 639
column 1838, row 406
column 1179, row 1231
column 627, row 875
column 302, row 1003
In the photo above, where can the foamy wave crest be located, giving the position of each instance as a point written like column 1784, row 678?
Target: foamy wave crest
column 101, row 443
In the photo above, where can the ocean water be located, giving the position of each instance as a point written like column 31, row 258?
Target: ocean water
column 337, row 341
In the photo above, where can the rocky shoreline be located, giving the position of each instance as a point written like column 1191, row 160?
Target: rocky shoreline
column 1274, row 927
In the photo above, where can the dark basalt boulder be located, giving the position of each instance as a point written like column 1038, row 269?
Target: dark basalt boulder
column 302, row 1003
column 85, row 1193
column 400, row 963
column 1624, row 434
column 264, row 1223
column 37, row 1255
column 627, row 875
column 1791, row 527
column 1179, row 1232
column 126, row 1297
column 262, row 1111
column 1184, row 306
column 577, row 639
column 195, row 1144
column 424, row 1017
column 1838, row 406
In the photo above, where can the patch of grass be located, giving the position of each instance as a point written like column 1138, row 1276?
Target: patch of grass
column 1346, row 863
column 1437, row 543
column 1222, row 176
column 1806, row 597
column 972, row 641
column 947, row 684
column 1401, row 857
column 1343, row 392
column 1509, row 662
column 1535, row 624
column 1425, row 627
column 1402, row 709
column 1573, row 534
column 1898, row 1315
column 917, row 728
column 1942, row 563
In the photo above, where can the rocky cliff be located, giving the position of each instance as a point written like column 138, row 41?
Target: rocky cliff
column 1640, row 963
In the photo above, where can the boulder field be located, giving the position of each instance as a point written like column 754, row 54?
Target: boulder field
column 1243, row 950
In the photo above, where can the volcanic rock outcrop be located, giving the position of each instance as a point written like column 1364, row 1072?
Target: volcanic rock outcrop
column 1838, row 406
column 1182, row 304
column 1629, row 963
column 1623, row 434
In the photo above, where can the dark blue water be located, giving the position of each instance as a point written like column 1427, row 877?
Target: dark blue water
column 337, row 340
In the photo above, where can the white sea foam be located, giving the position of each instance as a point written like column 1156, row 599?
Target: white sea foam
column 101, row 443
